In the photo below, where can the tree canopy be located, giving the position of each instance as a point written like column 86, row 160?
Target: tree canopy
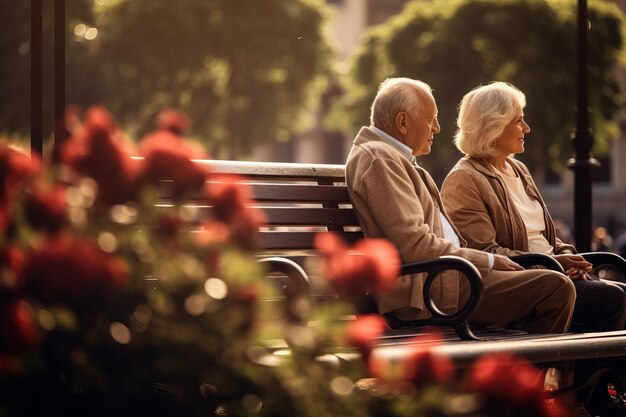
column 456, row 46
column 244, row 71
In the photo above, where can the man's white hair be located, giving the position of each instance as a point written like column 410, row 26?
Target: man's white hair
column 395, row 95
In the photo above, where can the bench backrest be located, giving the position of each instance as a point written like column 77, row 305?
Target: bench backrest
column 299, row 200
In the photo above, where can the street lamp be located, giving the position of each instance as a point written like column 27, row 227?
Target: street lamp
column 582, row 139
column 36, row 75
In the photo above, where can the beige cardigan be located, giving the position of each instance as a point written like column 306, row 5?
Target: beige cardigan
column 400, row 202
column 480, row 206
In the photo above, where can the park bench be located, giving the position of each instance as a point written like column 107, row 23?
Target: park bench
column 300, row 200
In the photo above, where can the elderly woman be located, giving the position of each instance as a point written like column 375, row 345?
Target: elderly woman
column 493, row 201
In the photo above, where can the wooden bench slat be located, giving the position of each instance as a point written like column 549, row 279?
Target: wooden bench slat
column 310, row 216
column 300, row 193
column 297, row 240
column 274, row 170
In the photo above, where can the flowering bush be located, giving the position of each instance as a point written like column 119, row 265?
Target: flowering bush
column 116, row 298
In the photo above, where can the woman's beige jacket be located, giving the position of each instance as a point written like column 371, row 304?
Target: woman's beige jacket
column 399, row 201
column 481, row 208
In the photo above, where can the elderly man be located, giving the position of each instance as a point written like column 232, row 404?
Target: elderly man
column 397, row 200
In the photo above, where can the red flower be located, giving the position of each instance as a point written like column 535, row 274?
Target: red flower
column 16, row 168
column 370, row 265
column 45, row 207
column 12, row 262
column 211, row 233
column 423, row 366
column 231, row 199
column 419, row 365
column 95, row 150
column 73, row 271
column 363, row 332
column 229, row 194
column 168, row 225
column 172, row 120
column 10, row 364
column 17, row 326
column 169, row 157
column 509, row 382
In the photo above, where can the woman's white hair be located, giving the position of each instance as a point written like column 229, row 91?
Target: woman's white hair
column 395, row 95
column 484, row 112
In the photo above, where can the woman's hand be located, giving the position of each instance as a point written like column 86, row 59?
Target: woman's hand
column 575, row 266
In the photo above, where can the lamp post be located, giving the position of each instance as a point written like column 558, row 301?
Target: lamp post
column 36, row 77
column 582, row 138
column 60, row 133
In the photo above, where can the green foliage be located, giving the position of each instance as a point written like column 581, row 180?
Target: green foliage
column 244, row 71
column 456, row 46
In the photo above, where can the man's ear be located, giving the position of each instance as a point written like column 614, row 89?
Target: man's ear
column 402, row 122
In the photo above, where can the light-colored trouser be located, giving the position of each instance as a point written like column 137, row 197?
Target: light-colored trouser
column 535, row 300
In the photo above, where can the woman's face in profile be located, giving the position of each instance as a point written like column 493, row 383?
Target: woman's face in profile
column 511, row 141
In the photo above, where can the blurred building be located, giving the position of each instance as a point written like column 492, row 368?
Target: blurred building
column 349, row 20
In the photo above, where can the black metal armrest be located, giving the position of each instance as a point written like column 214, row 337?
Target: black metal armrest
column 538, row 259
column 601, row 260
column 297, row 283
column 457, row 320
column 295, row 287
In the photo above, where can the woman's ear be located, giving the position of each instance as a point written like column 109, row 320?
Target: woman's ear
column 402, row 122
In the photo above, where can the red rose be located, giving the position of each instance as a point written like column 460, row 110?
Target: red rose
column 15, row 168
column 363, row 332
column 229, row 194
column 10, row 364
column 245, row 225
column 172, row 120
column 370, row 265
column 12, row 262
column 73, row 271
column 419, row 365
column 169, row 157
column 211, row 233
column 96, row 150
column 231, row 199
column 509, row 382
column 45, row 207
column 168, row 225
column 423, row 367
column 17, row 326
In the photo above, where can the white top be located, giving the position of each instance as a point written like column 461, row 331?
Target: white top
column 531, row 212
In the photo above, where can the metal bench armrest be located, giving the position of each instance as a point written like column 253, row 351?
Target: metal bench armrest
column 538, row 259
column 457, row 320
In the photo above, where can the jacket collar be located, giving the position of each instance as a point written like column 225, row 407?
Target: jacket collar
column 482, row 165
column 372, row 133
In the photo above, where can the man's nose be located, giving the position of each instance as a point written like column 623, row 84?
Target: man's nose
column 436, row 127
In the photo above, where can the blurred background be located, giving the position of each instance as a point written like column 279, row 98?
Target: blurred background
column 292, row 80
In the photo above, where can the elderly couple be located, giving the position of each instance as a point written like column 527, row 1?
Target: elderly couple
column 489, row 208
